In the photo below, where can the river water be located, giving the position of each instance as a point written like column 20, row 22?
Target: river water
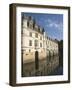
column 47, row 67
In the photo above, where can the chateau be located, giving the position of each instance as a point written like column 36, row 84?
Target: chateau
column 34, row 38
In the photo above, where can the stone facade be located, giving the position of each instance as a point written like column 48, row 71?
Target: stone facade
column 34, row 38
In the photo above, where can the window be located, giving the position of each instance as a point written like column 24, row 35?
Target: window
column 30, row 42
column 27, row 23
column 30, row 26
column 29, row 50
column 36, row 27
column 30, row 34
column 40, row 44
column 36, row 43
column 40, row 38
column 47, row 46
column 46, row 42
column 36, row 35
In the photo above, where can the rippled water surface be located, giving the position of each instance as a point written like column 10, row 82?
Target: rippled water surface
column 46, row 67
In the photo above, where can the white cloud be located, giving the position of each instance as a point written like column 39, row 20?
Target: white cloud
column 54, row 24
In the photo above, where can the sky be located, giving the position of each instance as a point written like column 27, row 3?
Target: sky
column 52, row 23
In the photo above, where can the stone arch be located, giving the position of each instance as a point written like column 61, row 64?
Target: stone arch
column 36, row 60
column 48, row 52
column 51, row 52
column 54, row 52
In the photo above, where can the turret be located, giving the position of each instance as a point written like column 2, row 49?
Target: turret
column 24, row 21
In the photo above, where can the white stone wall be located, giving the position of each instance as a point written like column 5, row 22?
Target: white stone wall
column 47, row 43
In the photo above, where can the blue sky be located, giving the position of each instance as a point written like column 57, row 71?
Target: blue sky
column 52, row 24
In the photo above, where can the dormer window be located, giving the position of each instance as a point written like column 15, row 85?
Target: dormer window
column 36, row 27
column 40, row 37
column 36, row 35
column 30, row 34
column 31, row 24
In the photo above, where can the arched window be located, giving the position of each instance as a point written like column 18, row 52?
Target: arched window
column 36, row 43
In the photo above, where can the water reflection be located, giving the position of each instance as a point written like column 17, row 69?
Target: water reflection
column 48, row 66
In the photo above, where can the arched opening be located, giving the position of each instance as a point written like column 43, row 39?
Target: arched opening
column 48, row 53
column 48, row 56
column 51, row 52
column 36, row 60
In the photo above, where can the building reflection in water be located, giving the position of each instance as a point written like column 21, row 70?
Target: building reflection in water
column 49, row 66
